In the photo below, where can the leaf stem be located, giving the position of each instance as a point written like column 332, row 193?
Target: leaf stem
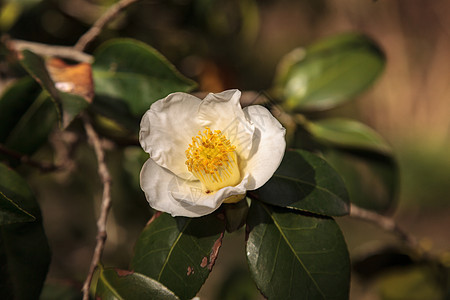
column 105, row 177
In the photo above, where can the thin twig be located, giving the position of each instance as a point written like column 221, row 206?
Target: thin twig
column 386, row 223
column 105, row 204
column 96, row 29
column 50, row 50
column 42, row 166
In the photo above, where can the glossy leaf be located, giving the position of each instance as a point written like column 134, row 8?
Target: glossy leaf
column 26, row 117
column 11, row 213
column 34, row 127
column 347, row 134
column 122, row 284
column 179, row 252
column 235, row 214
column 371, row 178
column 135, row 73
column 328, row 72
column 14, row 103
column 68, row 104
column 296, row 256
column 306, row 182
column 24, row 251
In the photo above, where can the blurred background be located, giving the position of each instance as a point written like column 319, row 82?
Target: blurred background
column 238, row 44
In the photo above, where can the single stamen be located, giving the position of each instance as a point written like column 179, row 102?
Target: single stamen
column 212, row 159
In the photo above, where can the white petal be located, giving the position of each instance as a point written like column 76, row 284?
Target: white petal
column 167, row 129
column 172, row 194
column 222, row 111
column 268, row 146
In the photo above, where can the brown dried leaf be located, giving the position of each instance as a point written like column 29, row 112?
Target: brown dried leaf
column 72, row 78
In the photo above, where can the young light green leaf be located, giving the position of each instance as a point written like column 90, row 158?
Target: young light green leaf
column 24, row 250
column 179, row 252
column 135, row 73
column 68, row 104
column 306, row 182
column 347, row 134
column 121, row 284
column 328, row 72
column 296, row 256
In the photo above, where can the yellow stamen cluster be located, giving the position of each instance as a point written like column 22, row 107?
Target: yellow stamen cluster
column 212, row 159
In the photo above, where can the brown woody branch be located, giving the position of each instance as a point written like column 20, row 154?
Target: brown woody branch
column 42, row 166
column 50, row 50
column 105, row 204
column 386, row 223
column 98, row 26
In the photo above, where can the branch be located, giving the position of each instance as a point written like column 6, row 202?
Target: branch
column 105, row 204
column 96, row 29
column 42, row 166
column 386, row 223
column 50, row 50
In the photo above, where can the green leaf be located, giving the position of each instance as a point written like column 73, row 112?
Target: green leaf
column 306, row 182
column 296, row 256
column 24, row 251
column 371, row 178
column 328, row 72
column 347, row 134
column 179, row 252
column 133, row 72
column 27, row 117
column 121, row 284
column 11, row 213
column 14, row 102
column 235, row 214
column 68, row 105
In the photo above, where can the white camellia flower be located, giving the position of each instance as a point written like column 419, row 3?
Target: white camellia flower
column 206, row 152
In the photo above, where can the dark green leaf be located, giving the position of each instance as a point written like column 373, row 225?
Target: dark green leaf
column 348, row 134
column 328, row 72
column 371, row 178
column 121, row 284
column 14, row 103
column 296, row 256
column 26, row 117
column 179, row 252
column 306, row 182
column 135, row 73
column 24, row 251
column 235, row 214
column 68, row 105
column 34, row 127
column 11, row 213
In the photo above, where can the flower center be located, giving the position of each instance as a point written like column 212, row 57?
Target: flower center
column 213, row 160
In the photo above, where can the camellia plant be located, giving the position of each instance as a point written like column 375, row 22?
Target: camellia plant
column 271, row 164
